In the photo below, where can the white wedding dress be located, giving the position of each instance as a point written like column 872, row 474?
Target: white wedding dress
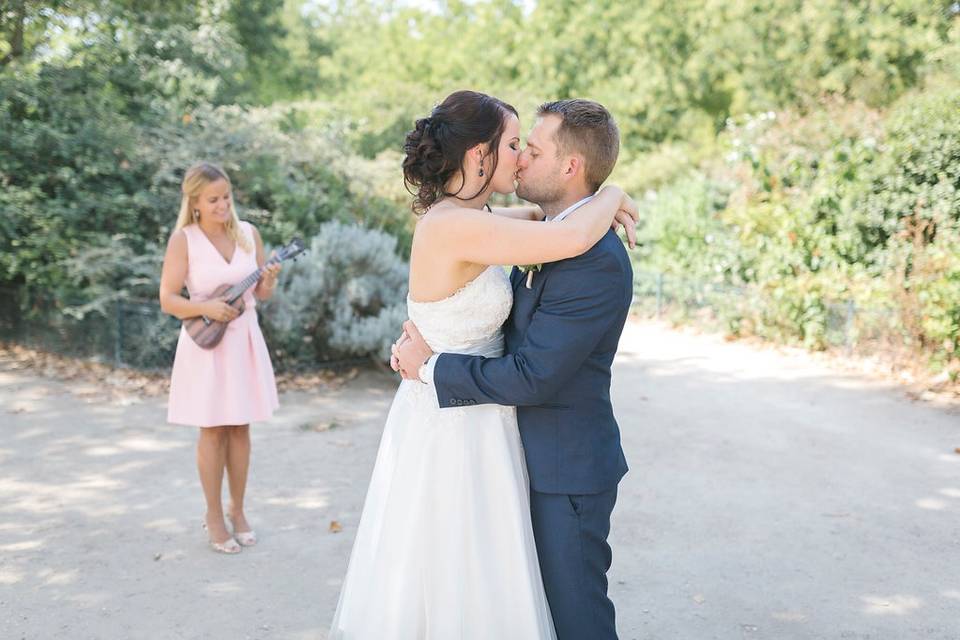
column 445, row 548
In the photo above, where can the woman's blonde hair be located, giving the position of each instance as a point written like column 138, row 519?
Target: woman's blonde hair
column 194, row 180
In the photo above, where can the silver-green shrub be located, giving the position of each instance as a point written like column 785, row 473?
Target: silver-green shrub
column 346, row 297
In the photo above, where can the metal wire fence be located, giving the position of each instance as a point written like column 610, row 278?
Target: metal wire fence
column 836, row 323
column 132, row 334
column 137, row 334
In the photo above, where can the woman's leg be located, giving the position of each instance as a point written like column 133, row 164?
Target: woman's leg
column 211, row 459
column 238, row 464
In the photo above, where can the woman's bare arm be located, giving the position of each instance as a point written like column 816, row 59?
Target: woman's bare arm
column 467, row 235
column 527, row 212
column 172, row 278
column 268, row 281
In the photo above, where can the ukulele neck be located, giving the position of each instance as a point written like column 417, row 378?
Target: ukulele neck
column 241, row 287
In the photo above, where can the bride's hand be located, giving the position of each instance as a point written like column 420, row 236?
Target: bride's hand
column 394, row 352
column 628, row 206
column 627, row 217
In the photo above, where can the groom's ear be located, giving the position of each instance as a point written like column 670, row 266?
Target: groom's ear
column 573, row 167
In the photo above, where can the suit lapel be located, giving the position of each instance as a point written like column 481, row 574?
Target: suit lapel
column 516, row 277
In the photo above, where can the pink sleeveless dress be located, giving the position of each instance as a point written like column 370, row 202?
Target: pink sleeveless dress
column 232, row 383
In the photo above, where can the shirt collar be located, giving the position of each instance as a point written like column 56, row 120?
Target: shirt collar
column 563, row 214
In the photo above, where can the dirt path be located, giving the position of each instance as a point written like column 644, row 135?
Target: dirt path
column 770, row 497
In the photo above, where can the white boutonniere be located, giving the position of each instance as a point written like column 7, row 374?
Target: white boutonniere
column 530, row 269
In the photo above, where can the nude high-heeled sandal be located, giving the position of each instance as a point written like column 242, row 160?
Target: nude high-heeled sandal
column 245, row 538
column 228, row 546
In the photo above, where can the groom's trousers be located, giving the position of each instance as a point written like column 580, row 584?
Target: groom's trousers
column 571, row 534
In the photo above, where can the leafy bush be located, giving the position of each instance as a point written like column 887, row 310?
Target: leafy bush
column 810, row 210
column 802, row 154
column 912, row 202
column 88, row 176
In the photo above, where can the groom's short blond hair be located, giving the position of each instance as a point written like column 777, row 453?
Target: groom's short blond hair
column 588, row 129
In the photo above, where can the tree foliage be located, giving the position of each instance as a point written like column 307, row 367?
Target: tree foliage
column 806, row 150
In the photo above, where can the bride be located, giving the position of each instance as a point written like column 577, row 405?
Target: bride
column 445, row 548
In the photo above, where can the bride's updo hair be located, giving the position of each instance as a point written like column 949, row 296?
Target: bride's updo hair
column 437, row 145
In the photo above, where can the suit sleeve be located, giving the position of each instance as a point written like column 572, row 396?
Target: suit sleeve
column 579, row 303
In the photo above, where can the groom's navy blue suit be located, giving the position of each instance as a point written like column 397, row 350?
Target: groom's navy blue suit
column 561, row 338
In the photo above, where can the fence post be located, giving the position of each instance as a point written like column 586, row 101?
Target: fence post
column 118, row 336
column 848, row 326
column 659, row 293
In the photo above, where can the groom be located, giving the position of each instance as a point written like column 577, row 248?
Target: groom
column 561, row 338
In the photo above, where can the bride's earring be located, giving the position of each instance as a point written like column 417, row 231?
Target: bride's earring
column 196, row 215
column 481, row 166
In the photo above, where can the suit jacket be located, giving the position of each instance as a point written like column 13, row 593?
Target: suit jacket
column 561, row 338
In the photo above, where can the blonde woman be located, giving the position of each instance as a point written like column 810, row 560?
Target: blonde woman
column 223, row 389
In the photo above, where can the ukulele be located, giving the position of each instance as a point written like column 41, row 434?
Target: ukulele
column 207, row 333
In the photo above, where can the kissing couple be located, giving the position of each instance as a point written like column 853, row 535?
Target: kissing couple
column 489, row 507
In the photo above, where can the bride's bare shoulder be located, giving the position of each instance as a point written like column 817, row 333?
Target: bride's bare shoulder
column 445, row 218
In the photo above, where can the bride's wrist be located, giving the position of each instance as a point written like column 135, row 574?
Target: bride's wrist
column 614, row 191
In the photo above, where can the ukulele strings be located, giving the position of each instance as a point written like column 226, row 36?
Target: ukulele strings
column 238, row 290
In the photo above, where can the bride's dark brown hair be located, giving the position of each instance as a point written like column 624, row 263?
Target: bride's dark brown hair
column 436, row 147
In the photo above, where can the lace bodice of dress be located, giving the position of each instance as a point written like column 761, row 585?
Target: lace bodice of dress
column 469, row 320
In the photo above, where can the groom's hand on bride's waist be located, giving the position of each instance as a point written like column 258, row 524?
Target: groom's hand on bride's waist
column 410, row 353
